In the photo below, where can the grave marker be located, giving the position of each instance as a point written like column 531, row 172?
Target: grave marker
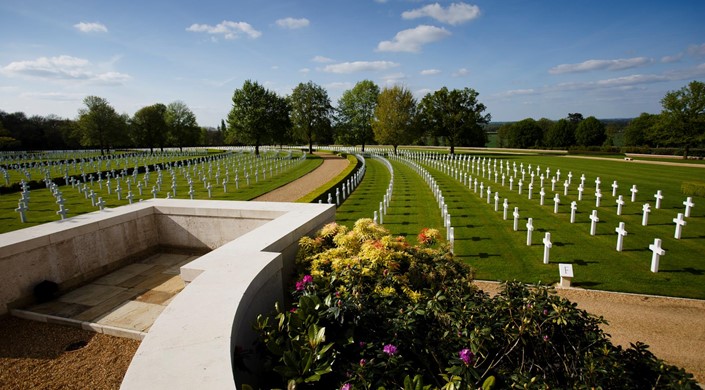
column 529, row 229
column 614, row 188
column 680, row 222
column 646, row 208
column 573, row 209
column 688, row 203
column 22, row 208
column 656, row 255
column 593, row 222
column 547, row 244
column 621, row 232
column 516, row 218
column 556, row 202
column 620, row 203
column 658, row 197
column 633, row 190
column 566, row 273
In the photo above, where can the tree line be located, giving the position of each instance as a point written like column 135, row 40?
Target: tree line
column 681, row 124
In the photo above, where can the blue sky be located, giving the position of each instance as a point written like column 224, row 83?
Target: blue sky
column 526, row 58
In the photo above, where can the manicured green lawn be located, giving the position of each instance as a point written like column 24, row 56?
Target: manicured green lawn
column 489, row 243
column 43, row 207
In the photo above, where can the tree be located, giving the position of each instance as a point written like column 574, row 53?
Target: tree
column 575, row 117
column 560, row 135
column 356, row 108
column 524, row 134
column 639, row 129
column 455, row 115
column 590, row 132
column 310, row 113
column 683, row 116
column 99, row 124
column 182, row 125
column 149, row 127
column 257, row 115
column 393, row 123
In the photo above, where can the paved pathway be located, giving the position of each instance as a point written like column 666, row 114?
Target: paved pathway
column 331, row 167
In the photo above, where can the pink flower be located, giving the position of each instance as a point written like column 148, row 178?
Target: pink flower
column 363, row 362
column 307, row 279
column 346, row 386
column 390, row 349
column 545, row 338
column 466, row 356
column 300, row 286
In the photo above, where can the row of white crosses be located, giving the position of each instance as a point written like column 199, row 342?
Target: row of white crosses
column 620, row 230
column 346, row 188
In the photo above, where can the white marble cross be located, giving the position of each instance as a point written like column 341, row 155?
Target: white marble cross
column 505, row 205
column 598, row 196
column 593, row 224
column 657, row 253
column 489, row 192
column 130, row 197
column 496, row 201
column 191, row 192
column 621, row 232
column 482, row 189
column 582, row 180
column 543, row 195
column 529, row 229
column 558, row 175
column 547, row 244
column 531, row 189
column 620, row 203
column 553, row 183
column 580, row 192
column 22, row 208
column 516, row 218
column 633, row 190
column 597, row 183
column 646, row 208
column 208, row 187
column 573, row 209
column 565, row 188
column 62, row 211
column 680, row 222
column 614, row 188
column 688, row 203
column 542, row 177
column 154, row 192
column 658, row 197
column 570, row 177
column 511, row 183
column 521, row 184
column 556, row 202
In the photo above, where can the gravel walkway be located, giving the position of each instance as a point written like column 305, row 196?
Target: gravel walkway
column 331, row 167
column 674, row 328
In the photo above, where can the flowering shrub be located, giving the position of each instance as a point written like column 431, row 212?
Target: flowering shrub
column 371, row 311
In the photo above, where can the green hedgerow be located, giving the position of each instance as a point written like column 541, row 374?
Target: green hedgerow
column 371, row 311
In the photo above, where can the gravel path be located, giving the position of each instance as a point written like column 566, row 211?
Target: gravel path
column 636, row 161
column 331, row 167
column 674, row 328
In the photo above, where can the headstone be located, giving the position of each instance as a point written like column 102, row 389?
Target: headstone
column 489, row 192
column 688, row 203
column 565, row 188
column 657, row 252
column 633, row 190
column 22, row 208
column 680, row 222
column 496, row 201
column 556, row 202
column 646, row 208
column 62, row 211
column 543, row 196
column 597, row 183
column 547, row 244
column 658, row 197
column 529, row 230
column 598, row 196
column 505, row 205
column 100, row 203
column 531, row 189
column 573, row 209
column 130, row 197
column 521, row 184
column 620, row 203
column 580, row 192
column 621, row 232
column 566, row 273
column 516, row 218
column 593, row 222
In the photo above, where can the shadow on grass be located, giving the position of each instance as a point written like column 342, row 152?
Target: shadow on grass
column 581, row 262
column 690, row 270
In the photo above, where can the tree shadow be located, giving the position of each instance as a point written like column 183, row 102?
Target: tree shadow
column 690, row 270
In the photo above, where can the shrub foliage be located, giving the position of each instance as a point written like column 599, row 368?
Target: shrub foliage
column 370, row 311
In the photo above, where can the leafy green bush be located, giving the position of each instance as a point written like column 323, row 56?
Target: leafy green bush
column 370, row 311
column 696, row 188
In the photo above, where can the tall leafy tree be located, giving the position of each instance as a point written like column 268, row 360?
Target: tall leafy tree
column 560, row 135
column 257, row 117
column 311, row 112
column 639, row 130
column 525, row 134
column 356, row 108
column 683, row 116
column 182, row 125
column 395, row 116
column 99, row 124
column 455, row 115
column 149, row 127
column 590, row 132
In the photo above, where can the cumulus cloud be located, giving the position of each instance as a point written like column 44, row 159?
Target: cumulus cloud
column 429, row 72
column 461, row 72
column 412, row 39
column 292, row 23
column 590, row 65
column 697, row 50
column 670, row 59
column 62, row 68
column 359, row 66
column 322, row 59
column 228, row 29
column 90, row 27
column 455, row 14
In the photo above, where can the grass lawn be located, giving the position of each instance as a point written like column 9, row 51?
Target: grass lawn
column 486, row 241
column 43, row 205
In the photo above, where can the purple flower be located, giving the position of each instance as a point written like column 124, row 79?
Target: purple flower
column 346, row 386
column 466, row 356
column 300, row 286
column 307, row 279
column 363, row 362
column 545, row 338
column 545, row 312
column 390, row 349
column 362, row 344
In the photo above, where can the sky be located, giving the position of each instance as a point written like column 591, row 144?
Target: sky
column 608, row 59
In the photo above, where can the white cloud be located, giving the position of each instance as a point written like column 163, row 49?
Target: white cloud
column 455, row 14
column 590, row 65
column 56, row 96
column 90, row 27
column 292, row 23
column 412, row 39
column 228, row 29
column 339, row 86
column 393, row 78
column 670, row 59
column 304, row 70
column 62, row 68
column 359, row 66
column 429, row 72
column 461, row 72
column 322, row 59
column 697, row 50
